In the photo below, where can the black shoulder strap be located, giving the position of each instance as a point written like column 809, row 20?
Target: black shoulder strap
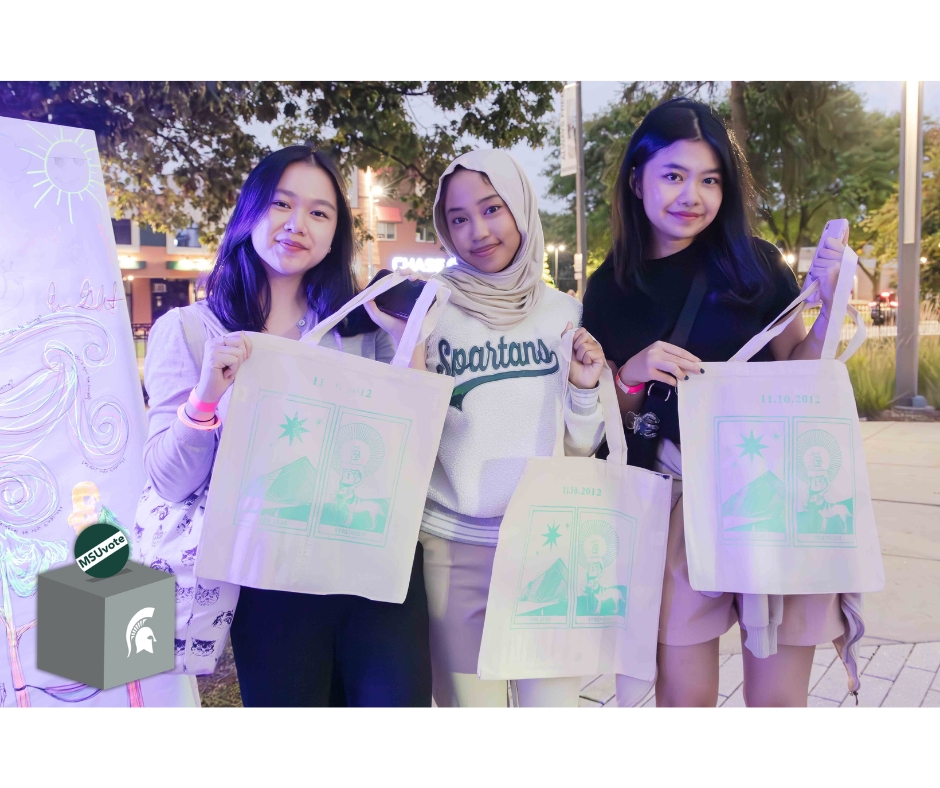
column 680, row 334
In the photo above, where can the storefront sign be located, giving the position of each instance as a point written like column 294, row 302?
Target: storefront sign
column 429, row 265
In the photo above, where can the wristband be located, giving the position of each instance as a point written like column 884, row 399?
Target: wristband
column 198, row 404
column 628, row 389
column 197, row 425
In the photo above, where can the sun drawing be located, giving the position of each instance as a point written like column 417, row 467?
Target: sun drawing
column 67, row 167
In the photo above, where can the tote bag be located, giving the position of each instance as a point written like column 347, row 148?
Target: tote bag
column 321, row 474
column 578, row 572
column 775, row 489
column 166, row 537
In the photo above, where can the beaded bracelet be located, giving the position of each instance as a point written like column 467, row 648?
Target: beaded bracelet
column 198, row 425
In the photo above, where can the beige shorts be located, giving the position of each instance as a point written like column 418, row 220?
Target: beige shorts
column 457, row 579
column 688, row 617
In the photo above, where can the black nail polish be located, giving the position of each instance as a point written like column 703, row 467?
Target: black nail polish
column 686, row 377
column 702, row 371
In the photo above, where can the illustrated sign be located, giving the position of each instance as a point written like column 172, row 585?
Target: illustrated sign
column 72, row 420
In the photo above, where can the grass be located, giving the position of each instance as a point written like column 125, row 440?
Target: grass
column 871, row 371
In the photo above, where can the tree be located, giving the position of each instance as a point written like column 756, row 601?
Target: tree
column 172, row 148
column 606, row 135
column 814, row 151
column 815, row 154
column 881, row 227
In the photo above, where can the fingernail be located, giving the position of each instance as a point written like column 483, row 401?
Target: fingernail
column 686, row 377
column 702, row 371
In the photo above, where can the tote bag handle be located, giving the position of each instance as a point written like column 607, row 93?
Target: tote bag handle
column 840, row 308
column 416, row 329
column 607, row 400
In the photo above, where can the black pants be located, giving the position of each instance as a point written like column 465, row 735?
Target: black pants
column 314, row 650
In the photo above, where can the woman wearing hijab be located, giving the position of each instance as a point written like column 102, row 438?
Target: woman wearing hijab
column 499, row 338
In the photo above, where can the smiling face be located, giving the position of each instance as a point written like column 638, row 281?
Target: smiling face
column 67, row 166
column 681, row 191
column 295, row 234
column 482, row 228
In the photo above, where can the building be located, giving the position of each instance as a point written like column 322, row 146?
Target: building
column 399, row 242
column 163, row 270
column 160, row 270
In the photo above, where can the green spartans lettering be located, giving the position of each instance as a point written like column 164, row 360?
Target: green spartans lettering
column 518, row 359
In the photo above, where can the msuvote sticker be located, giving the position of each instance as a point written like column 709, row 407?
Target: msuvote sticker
column 101, row 550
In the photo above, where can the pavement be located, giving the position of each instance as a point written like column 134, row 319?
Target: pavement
column 900, row 653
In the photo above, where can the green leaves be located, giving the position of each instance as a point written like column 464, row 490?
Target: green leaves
column 175, row 151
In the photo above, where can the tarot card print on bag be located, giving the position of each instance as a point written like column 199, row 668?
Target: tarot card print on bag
column 824, row 463
column 280, row 482
column 751, row 463
column 604, row 562
column 542, row 599
column 364, row 465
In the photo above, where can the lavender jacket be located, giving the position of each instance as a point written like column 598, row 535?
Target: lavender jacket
column 177, row 458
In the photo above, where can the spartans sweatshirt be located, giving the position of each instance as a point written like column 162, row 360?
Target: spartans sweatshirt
column 504, row 410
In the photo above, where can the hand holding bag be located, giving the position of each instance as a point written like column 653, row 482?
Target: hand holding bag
column 775, row 488
column 578, row 573
column 322, row 471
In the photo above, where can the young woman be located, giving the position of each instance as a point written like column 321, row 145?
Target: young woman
column 681, row 207
column 499, row 339
column 285, row 262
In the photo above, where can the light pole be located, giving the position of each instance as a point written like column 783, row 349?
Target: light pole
column 373, row 191
column 909, row 229
column 556, row 248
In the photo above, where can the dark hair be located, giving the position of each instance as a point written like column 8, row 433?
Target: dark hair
column 237, row 288
column 729, row 240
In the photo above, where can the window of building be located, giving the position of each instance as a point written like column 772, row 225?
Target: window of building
column 385, row 231
column 122, row 232
column 188, row 238
column 425, row 234
column 150, row 238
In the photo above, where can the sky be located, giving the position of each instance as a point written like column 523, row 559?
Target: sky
column 884, row 96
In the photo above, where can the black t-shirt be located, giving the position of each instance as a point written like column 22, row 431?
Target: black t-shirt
column 627, row 321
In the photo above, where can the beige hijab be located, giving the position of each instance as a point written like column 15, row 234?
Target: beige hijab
column 505, row 298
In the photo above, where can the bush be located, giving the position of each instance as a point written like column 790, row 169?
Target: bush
column 871, row 371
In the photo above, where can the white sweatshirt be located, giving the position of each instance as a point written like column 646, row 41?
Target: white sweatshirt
column 504, row 411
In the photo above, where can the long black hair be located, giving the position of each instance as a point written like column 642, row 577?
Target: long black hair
column 237, row 288
column 729, row 240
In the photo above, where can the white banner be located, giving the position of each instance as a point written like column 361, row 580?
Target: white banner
column 569, row 129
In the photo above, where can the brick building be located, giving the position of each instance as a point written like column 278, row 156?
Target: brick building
column 163, row 270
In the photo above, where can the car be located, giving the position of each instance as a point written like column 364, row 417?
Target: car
column 884, row 309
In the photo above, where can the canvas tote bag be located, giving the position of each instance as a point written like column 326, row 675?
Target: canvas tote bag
column 578, row 573
column 775, row 489
column 321, row 474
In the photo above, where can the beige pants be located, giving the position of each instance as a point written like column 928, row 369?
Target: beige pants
column 457, row 580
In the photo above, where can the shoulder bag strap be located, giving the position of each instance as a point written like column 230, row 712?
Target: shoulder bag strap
column 680, row 334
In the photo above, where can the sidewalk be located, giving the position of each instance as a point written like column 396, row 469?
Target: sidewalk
column 900, row 653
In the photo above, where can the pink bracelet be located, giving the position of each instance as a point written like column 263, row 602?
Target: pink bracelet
column 198, row 404
column 197, row 425
column 628, row 389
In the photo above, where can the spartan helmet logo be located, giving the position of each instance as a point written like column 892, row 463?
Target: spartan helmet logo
column 142, row 636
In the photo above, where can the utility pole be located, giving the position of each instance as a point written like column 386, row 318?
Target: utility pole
column 909, row 209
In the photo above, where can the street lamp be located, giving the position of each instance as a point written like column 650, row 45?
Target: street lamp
column 374, row 191
column 556, row 248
